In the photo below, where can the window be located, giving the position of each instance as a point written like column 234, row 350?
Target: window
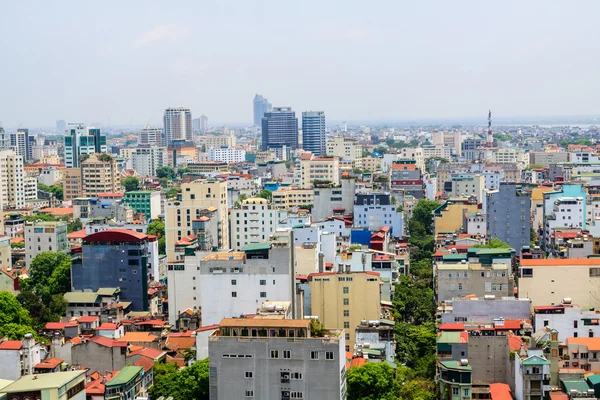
column 233, row 294
column 287, row 354
column 263, row 294
column 314, row 355
column 575, row 324
column 346, row 313
column 346, row 325
column 274, row 353
column 263, row 282
column 465, row 392
column 249, row 393
column 347, row 336
column 234, row 282
column 346, row 301
column 545, row 322
column 455, row 391
column 249, row 375
column 345, row 290
column 329, row 355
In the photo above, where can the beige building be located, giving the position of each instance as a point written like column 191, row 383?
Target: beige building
column 414, row 153
column 448, row 217
column 372, row 164
column 207, row 167
column 466, row 186
column 12, row 178
column 288, row 198
column 71, row 183
column 99, row 174
column 127, row 152
column 345, row 148
column 216, row 141
column 549, row 281
column 318, row 169
column 462, row 279
column 196, row 196
column 450, row 139
column 343, row 300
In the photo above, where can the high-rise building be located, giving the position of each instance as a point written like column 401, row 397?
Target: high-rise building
column 261, row 106
column 313, row 132
column 150, row 135
column 146, row 160
column 99, row 174
column 203, row 123
column 508, row 215
column 12, row 180
column 280, row 128
column 177, row 125
column 19, row 142
column 61, row 126
column 44, row 236
column 82, row 140
column 196, row 124
column 4, row 139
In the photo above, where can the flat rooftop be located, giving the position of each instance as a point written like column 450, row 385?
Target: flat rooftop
column 43, row 381
column 225, row 256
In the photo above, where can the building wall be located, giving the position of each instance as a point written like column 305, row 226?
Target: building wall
column 326, row 199
column 44, row 236
column 253, row 222
column 328, row 300
column 324, row 169
column 97, row 357
column 99, row 177
column 227, row 154
column 451, row 218
column 487, row 356
column 345, row 148
column 10, row 367
column 451, row 281
column 322, row 379
column 287, row 199
column 509, row 216
column 72, row 186
column 565, row 323
column 146, row 161
column 484, row 311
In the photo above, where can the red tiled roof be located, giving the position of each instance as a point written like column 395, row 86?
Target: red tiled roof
column 558, row 395
column 180, row 343
column 358, row 362
column 49, row 363
column 149, row 352
column 464, row 337
column 566, row 235
column 451, row 327
column 515, row 342
column 208, row 328
column 500, row 391
column 56, row 325
column 87, row 319
column 11, row 345
column 138, row 337
column 77, row 234
column 107, row 327
column 547, row 308
column 153, row 322
column 146, row 363
column 95, row 387
column 57, row 211
column 510, row 324
column 106, row 342
column 115, row 235
column 110, row 195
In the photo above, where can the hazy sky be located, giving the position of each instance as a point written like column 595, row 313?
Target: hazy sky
column 125, row 61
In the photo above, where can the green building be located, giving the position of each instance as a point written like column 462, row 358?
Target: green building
column 127, row 384
column 454, row 380
column 144, row 201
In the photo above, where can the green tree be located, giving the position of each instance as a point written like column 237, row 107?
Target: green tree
column 380, row 150
column 74, row 225
column 157, row 228
column 19, row 245
column 182, row 171
column 165, row 172
column 423, row 214
column 56, row 190
column 14, row 331
column 493, row 243
column 11, row 311
column 266, row 194
column 186, row 384
column 164, row 182
column 172, row 193
column 40, row 217
column 49, row 274
column 131, row 183
column 317, row 329
column 372, row 381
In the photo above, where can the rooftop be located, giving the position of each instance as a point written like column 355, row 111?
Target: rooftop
column 559, row 262
column 257, row 246
column 124, row 376
column 455, row 365
column 267, row 323
column 44, row 381
column 49, row 363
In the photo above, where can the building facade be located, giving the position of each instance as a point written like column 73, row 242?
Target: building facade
column 376, row 210
column 260, row 106
column 324, row 169
column 12, row 180
column 82, row 140
column 227, row 154
column 345, row 148
column 177, row 125
column 280, row 128
column 99, row 174
column 150, row 135
column 144, row 201
column 313, row 132
column 508, row 215
column 253, row 222
column 146, row 160
column 44, row 236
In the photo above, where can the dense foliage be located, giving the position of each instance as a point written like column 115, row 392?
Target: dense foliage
column 15, row 321
column 375, row 381
column 266, row 194
column 56, row 190
column 157, row 228
column 494, row 243
column 131, row 183
column 165, row 172
column 189, row 383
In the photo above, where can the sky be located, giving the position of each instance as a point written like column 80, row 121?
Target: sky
column 124, row 62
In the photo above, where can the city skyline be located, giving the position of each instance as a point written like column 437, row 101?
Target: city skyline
column 379, row 63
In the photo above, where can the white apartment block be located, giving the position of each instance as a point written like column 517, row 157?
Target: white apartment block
column 416, row 153
column 227, row 154
column 569, row 320
column 289, row 199
column 30, row 187
column 440, row 151
column 12, row 179
column 564, row 212
column 146, row 160
column 466, row 186
column 49, row 176
column 450, row 139
column 253, row 222
column 345, row 148
column 44, row 236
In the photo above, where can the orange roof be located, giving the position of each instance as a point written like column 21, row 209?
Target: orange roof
column 399, row 167
column 500, row 391
column 107, row 327
column 306, row 156
column 109, row 195
column 146, row 363
column 77, row 234
column 17, row 240
column 593, row 344
column 138, row 337
column 57, row 211
column 515, row 342
column 95, row 387
column 151, row 353
column 49, row 363
column 559, row 262
column 558, row 395
column 107, row 342
column 11, row 345
column 176, row 343
column 358, row 362
column 451, row 327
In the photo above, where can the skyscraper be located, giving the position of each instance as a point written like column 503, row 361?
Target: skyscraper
column 19, row 142
column 150, row 135
column 61, row 126
column 82, row 140
column 261, row 106
column 280, row 128
column 203, row 123
column 313, row 132
column 178, row 125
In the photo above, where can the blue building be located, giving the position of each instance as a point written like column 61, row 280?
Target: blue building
column 116, row 258
column 279, row 129
column 260, row 106
column 313, row 132
column 374, row 210
column 508, row 215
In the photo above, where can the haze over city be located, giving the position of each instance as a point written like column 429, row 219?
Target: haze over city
column 393, row 61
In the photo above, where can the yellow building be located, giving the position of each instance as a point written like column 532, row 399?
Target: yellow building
column 288, row 198
column 99, row 174
column 216, row 141
column 207, row 166
column 342, row 300
column 196, row 196
column 549, row 281
column 127, row 152
column 448, row 217
column 71, row 183
column 318, row 169
column 186, row 153
column 371, row 163
column 345, row 148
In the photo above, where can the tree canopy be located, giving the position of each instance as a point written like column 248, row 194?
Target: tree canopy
column 157, row 228
column 189, row 383
column 374, row 381
column 40, row 217
column 266, row 194
column 494, row 243
column 56, row 190
column 131, row 183
column 165, row 172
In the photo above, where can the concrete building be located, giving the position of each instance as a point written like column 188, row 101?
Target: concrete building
column 313, row 132
column 406, row 177
column 467, row 186
column 50, row 176
column 345, row 299
column 44, row 236
column 30, row 188
column 275, row 359
column 146, row 160
column 195, row 197
column 532, row 377
column 561, row 213
column 509, row 215
column 261, row 105
column 128, row 383
column 19, row 141
column 345, row 148
column 448, row 217
column 230, row 284
column 18, row 357
column 150, row 136
column 318, row 169
column 253, row 222
column 51, row 386
column 217, row 141
column 460, row 279
column 493, row 173
column 145, row 202
column 82, row 141
column 279, row 128
column 454, row 378
column 376, row 210
column 5, row 256
column 100, row 354
column 72, row 184
column 117, row 258
column 330, row 199
column 549, row 281
column 469, row 148
column 482, row 310
column 546, row 158
column 177, row 125
column 228, row 155
column 449, row 139
column 12, row 180
column 569, row 320
column 286, row 198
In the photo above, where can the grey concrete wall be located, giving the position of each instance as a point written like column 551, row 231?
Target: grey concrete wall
column 481, row 311
column 97, row 357
column 488, row 358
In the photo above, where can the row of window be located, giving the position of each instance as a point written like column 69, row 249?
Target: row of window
column 262, row 294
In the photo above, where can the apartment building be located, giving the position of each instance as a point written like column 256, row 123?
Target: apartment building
column 217, row 141
column 448, row 217
column 311, row 169
column 72, row 183
column 345, row 148
column 438, row 151
column 18, row 357
column 196, row 196
column 509, row 215
column 376, row 210
column 275, row 359
column 493, row 173
column 144, row 202
column 48, row 386
column 546, row 158
column 99, row 174
column 330, row 199
column 288, row 198
column 460, row 279
column 466, row 186
column 416, row 154
column 146, row 160
column 549, row 281
column 570, row 321
column 562, row 212
column 450, row 139
column 44, row 236
column 344, row 299
column 229, row 155
column 253, row 222
column 12, row 180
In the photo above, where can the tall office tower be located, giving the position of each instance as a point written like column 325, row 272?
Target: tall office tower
column 261, row 106
column 19, row 142
column 150, row 135
column 196, row 124
column 82, row 140
column 61, row 126
column 178, row 125
column 203, row 123
column 4, row 139
column 313, row 132
column 280, row 128
column 12, row 178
